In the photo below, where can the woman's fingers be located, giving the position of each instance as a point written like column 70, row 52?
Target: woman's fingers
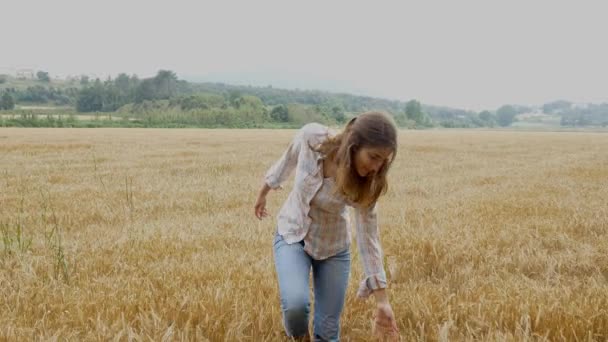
column 260, row 211
column 386, row 327
column 386, row 334
column 260, row 207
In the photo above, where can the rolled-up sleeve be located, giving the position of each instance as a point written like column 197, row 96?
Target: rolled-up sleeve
column 370, row 251
column 282, row 168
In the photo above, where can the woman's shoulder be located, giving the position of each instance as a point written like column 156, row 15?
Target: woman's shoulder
column 316, row 132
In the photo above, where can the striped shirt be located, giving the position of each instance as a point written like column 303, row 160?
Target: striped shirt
column 313, row 214
column 328, row 233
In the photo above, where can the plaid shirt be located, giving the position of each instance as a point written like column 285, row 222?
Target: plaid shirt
column 329, row 234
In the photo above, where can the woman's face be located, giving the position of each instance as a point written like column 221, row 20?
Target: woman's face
column 369, row 160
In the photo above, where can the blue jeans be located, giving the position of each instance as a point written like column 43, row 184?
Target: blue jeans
column 330, row 278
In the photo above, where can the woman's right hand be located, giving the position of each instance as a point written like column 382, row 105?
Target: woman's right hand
column 385, row 327
column 260, row 207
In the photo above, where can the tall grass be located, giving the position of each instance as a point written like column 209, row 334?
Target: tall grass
column 150, row 235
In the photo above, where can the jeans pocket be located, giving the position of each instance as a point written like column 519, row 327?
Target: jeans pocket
column 277, row 239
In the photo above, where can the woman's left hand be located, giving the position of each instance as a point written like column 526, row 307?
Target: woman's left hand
column 385, row 325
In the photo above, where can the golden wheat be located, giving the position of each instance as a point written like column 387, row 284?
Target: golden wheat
column 144, row 234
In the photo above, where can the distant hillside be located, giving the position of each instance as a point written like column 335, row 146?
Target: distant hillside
column 166, row 100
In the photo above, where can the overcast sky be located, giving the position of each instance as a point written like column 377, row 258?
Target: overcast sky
column 467, row 54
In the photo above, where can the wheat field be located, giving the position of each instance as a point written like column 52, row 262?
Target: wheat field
column 149, row 234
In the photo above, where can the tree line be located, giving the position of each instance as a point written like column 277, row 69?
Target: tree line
column 573, row 114
column 166, row 100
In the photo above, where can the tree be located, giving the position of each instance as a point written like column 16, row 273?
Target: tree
column 3, row 79
column 7, row 102
column 487, row 118
column 556, row 107
column 233, row 97
column 280, row 113
column 43, row 76
column 90, row 99
column 401, row 120
column 165, row 82
column 123, row 83
column 146, row 91
column 413, row 111
column 125, row 87
column 338, row 114
column 505, row 115
column 199, row 101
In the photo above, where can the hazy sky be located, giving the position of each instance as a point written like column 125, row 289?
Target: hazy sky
column 467, row 54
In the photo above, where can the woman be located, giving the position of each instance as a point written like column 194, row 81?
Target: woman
column 333, row 171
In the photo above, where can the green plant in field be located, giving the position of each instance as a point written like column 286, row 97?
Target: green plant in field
column 53, row 239
column 14, row 238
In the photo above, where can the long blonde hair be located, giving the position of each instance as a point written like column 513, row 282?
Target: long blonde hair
column 371, row 129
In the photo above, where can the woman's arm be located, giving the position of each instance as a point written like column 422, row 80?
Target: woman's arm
column 260, row 203
column 370, row 251
column 282, row 168
column 374, row 283
column 381, row 296
column 278, row 173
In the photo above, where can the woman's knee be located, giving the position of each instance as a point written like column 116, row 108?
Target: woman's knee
column 296, row 304
column 296, row 309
